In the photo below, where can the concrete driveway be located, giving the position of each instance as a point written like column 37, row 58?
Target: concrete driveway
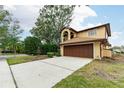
column 6, row 77
column 46, row 73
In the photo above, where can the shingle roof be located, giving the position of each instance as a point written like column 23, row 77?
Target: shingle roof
column 107, row 26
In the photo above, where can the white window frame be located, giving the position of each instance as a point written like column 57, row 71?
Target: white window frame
column 92, row 32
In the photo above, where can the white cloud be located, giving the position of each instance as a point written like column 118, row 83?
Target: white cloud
column 106, row 17
column 117, row 38
column 26, row 14
column 9, row 7
column 116, row 35
column 89, row 25
column 81, row 13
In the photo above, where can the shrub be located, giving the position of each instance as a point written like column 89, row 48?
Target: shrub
column 50, row 54
column 49, row 48
column 32, row 45
column 57, row 54
column 20, row 47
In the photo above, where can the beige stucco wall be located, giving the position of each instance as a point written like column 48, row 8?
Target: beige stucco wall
column 63, row 32
column 97, row 50
column 69, row 32
column 62, row 50
column 107, row 53
column 104, row 52
column 108, row 47
column 100, row 33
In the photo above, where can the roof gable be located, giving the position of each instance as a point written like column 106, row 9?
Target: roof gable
column 68, row 28
column 107, row 26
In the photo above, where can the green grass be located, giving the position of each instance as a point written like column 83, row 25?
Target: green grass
column 24, row 59
column 105, row 73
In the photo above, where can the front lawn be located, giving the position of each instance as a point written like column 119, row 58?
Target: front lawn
column 24, row 59
column 106, row 73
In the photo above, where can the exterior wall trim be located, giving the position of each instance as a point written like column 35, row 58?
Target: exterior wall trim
column 94, row 50
column 83, row 44
column 79, row 43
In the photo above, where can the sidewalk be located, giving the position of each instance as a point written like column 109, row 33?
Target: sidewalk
column 6, row 80
column 8, row 56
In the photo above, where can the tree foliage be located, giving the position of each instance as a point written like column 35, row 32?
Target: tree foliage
column 32, row 45
column 49, row 48
column 51, row 20
column 9, row 31
column 20, row 47
column 5, row 19
column 14, row 34
column 4, row 23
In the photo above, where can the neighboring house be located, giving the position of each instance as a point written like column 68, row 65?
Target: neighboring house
column 88, row 43
column 116, row 50
column 122, row 50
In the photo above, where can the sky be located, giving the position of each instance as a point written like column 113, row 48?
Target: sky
column 83, row 17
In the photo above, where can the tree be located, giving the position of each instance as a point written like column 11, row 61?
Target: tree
column 14, row 33
column 51, row 20
column 20, row 47
column 9, row 31
column 32, row 45
column 5, row 19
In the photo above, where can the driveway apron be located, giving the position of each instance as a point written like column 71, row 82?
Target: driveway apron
column 46, row 73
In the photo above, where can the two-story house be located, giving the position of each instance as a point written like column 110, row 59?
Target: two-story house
column 87, row 43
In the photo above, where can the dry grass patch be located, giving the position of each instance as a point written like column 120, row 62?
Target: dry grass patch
column 105, row 73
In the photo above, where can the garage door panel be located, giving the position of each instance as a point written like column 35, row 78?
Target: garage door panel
column 85, row 50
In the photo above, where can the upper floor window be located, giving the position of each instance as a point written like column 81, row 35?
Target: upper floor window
column 65, row 36
column 92, row 32
column 72, row 35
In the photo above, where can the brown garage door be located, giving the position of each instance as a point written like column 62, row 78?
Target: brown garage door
column 85, row 50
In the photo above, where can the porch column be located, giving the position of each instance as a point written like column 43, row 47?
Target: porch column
column 69, row 34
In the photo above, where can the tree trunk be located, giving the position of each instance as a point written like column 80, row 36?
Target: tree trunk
column 14, row 47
